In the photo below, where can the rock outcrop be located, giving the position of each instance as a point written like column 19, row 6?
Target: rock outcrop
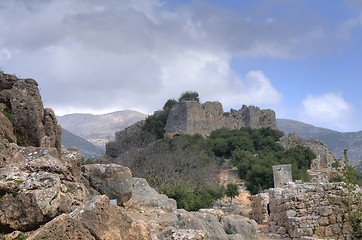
column 145, row 196
column 38, row 187
column 97, row 219
column 32, row 125
column 191, row 117
column 210, row 222
column 113, row 180
column 46, row 193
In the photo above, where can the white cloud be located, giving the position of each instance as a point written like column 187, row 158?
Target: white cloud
column 137, row 54
column 329, row 109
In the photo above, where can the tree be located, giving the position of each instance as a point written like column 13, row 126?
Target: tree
column 232, row 190
column 169, row 104
column 189, row 96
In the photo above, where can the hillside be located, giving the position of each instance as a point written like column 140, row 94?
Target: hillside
column 337, row 141
column 99, row 129
column 87, row 149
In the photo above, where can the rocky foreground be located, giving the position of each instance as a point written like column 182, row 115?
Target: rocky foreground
column 46, row 192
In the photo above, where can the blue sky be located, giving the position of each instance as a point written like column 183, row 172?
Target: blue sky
column 301, row 58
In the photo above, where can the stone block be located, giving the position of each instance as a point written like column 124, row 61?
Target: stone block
column 328, row 232
column 336, row 229
column 323, row 221
column 325, row 211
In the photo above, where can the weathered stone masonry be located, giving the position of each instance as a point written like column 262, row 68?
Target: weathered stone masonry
column 302, row 210
column 191, row 117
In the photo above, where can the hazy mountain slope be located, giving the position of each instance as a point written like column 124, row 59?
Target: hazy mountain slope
column 87, row 149
column 337, row 141
column 99, row 129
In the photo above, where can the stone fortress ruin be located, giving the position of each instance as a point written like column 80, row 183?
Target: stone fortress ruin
column 191, row 117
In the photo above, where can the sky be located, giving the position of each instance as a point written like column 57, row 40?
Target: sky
column 303, row 59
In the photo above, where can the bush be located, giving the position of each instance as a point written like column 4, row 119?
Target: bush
column 155, row 126
column 189, row 95
column 190, row 198
column 169, row 104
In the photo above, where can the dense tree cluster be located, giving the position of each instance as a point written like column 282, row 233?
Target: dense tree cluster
column 255, row 151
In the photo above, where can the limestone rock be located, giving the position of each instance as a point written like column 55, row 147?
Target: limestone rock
column 243, row 226
column 32, row 124
column 97, row 219
column 144, row 195
column 37, row 189
column 6, row 129
column 171, row 233
column 63, row 227
column 113, row 180
column 7, row 80
column 205, row 221
column 6, row 137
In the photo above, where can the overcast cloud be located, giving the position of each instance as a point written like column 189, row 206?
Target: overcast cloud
column 103, row 55
column 100, row 56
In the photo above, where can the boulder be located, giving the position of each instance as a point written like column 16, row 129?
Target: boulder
column 97, row 219
column 63, row 227
column 37, row 189
column 113, row 180
column 144, row 195
column 243, row 226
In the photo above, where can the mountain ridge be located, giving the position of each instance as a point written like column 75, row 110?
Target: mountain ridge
column 87, row 149
column 99, row 128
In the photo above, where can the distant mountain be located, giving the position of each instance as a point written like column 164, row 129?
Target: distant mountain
column 99, row 129
column 87, row 149
column 336, row 141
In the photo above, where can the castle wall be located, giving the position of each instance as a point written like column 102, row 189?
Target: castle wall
column 302, row 210
column 191, row 117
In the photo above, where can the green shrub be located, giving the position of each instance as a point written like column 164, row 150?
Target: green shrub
column 7, row 114
column 20, row 141
column 21, row 236
column 154, row 125
column 190, row 198
column 19, row 181
column 14, row 194
column 337, row 178
column 88, row 161
column 229, row 231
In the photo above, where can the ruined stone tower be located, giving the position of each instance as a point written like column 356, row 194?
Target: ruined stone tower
column 191, row 117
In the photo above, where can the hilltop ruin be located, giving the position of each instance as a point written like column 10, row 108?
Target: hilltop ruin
column 192, row 117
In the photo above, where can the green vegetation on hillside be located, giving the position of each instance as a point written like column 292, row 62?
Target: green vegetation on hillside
column 186, row 167
column 255, row 151
column 181, row 168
